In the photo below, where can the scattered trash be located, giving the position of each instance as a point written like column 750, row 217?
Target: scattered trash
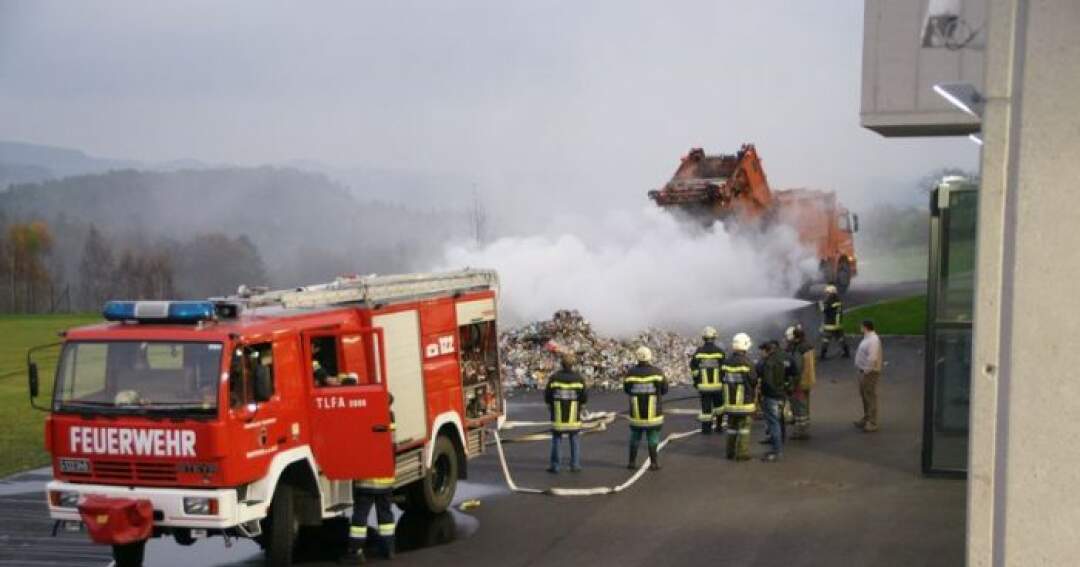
column 468, row 505
column 528, row 352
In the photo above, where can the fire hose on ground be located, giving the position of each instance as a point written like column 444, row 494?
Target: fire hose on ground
column 593, row 423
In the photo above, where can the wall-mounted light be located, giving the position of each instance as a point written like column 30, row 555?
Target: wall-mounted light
column 963, row 96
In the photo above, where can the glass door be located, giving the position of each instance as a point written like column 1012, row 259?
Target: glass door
column 950, row 294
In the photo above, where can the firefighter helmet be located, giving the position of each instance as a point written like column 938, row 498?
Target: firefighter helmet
column 568, row 360
column 830, row 289
column 709, row 333
column 741, row 342
column 789, row 334
column 643, row 354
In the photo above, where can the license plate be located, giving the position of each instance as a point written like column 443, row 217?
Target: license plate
column 75, row 466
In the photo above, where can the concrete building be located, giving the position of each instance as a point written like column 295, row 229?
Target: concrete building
column 1023, row 471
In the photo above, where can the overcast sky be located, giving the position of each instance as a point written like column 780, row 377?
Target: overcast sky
column 548, row 102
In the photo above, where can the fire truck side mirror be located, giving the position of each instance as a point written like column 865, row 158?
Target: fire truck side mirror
column 263, row 387
column 32, row 370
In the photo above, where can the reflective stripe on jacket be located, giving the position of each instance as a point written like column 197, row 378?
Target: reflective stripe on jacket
column 833, row 313
column 740, row 380
column 565, row 394
column 705, row 367
column 646, row 385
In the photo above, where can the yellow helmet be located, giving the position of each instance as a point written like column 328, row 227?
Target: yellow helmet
column 643, row 354
column 741, row 342
column 709, row 333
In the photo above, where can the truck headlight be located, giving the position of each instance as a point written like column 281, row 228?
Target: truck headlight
column 198, row 506
column 64, row 498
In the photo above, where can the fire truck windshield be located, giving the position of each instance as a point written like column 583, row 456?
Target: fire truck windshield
column 138, row 377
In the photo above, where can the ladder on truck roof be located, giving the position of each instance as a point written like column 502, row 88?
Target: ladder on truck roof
column 369, row 289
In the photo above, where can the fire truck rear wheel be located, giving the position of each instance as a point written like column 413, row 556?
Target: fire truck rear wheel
column 435, row 491
column 129, row 555
column 280, row 528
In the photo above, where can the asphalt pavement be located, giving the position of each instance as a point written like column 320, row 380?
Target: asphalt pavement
column 842, row 498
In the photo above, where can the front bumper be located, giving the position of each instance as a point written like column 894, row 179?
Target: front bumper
column 168, row 504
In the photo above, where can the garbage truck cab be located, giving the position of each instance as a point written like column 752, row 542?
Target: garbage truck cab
column 249, row 416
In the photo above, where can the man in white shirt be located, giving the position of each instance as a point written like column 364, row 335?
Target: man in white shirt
column 868, row 360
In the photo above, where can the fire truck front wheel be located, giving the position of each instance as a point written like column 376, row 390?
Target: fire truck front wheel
column 280, row 528
column 435, row 491
column 129, row 555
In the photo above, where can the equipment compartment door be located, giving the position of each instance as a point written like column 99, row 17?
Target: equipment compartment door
column 352, row 436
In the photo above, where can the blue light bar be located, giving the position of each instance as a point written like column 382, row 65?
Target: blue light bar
column 159, row 311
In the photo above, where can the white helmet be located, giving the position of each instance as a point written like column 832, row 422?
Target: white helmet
column 741, row 342
column 643, row 354
column 830, row 289
column 789, row 334
column 709, row 333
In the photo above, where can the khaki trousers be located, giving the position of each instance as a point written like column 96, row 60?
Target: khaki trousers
column 868, row 382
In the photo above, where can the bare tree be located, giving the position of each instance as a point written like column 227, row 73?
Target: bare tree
column 97, row 269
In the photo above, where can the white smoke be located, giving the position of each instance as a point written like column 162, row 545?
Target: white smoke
column 629, row 271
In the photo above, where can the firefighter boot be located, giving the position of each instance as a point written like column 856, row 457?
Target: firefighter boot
column 386, row 546
column 632, row 463
column 654, row 458
column 706, row 428
column 354, row 555
column 843, row 343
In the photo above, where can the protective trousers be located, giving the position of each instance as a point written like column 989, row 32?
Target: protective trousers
column 652, row 437
column 738, row 437
column 712, row 406
column 575, row 449
column 830, row 336
column 800, row 407
column 363, row 500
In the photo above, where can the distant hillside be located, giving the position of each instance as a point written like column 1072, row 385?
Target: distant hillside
column 306, row 227
column 21, row 163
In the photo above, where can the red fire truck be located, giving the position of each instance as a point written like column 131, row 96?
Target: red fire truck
column 248, row 416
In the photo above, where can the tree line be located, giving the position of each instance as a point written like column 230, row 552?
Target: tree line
column 34, row 256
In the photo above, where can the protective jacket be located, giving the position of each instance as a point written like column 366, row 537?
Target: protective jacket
column 565, row 394
column 802, row 357
column 646, row 385
column 705, row 367
column 379, row 484
column 740, row 381
column 832, row 310
column 776, row 378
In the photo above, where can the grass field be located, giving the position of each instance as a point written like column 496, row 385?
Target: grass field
column 906, row 316
column 22, row 435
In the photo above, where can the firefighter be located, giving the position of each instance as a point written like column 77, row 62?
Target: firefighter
column 705, row 370
column 368, row 493
column 646, row 385
column 565, row 395
column 740, row 385
column 802, row 360
column 832, row 328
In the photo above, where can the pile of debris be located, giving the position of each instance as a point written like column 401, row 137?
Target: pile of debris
column 527, row 353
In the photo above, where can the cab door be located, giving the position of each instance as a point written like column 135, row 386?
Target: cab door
column 352, row 434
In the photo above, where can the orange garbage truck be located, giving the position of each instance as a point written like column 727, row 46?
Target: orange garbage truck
column 733, row 189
